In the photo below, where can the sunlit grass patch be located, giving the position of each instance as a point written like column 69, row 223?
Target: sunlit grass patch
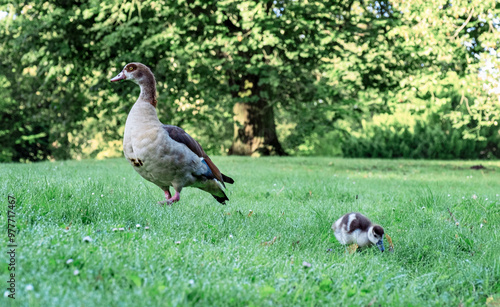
column 92, row 233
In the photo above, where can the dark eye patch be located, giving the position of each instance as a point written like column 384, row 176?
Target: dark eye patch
column 131, row 67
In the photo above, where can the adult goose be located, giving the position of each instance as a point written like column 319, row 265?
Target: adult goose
column 163, row 154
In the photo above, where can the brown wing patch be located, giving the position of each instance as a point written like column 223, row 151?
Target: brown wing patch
column 360, row 222
column 136, row 162
column 181, row 136
column 345, row 219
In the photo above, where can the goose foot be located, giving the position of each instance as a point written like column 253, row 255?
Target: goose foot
column 169, row 200
column 351, row 249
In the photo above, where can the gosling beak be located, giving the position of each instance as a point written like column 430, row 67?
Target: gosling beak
column 380, row 245
column 120, row 76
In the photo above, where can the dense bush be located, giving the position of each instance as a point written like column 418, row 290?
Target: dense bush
column 400, row 136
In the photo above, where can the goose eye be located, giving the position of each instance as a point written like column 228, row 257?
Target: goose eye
column 130, row 68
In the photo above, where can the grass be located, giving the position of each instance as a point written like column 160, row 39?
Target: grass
column 200, row 252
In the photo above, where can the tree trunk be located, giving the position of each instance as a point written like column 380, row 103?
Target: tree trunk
column 255, row 130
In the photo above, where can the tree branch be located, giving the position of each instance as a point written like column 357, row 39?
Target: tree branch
column 464, row 24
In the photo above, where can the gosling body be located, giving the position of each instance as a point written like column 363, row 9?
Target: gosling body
column 355, row 228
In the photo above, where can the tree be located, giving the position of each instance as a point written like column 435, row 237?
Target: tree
column 455, row 44
column 231, row 70
column 257, row 54
column 247, row 56
column 433, row 59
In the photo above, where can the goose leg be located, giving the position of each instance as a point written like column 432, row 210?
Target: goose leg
column 175, row 198
column 167, row 197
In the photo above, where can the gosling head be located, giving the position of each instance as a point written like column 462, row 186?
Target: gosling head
column 376, row 236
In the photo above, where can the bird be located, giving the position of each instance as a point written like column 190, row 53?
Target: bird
column 355, row 228
column 165, row 155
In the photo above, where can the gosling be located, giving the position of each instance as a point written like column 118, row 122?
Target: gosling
column 356, row 228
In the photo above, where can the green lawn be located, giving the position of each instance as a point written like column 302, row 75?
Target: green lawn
column 200, row 252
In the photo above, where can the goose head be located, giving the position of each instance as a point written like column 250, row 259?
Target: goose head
column 136, row 72
column 141, row 75
column 376, row 236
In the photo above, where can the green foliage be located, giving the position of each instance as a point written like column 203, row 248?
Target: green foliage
column 313, row 63
column 455, row 46
column 198, row 252
column 403, row 136
column 206, row 56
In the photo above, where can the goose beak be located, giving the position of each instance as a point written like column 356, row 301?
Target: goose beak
column 120, row 76
column 380, row 245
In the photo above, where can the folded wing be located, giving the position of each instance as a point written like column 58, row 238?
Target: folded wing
column 181, row 136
